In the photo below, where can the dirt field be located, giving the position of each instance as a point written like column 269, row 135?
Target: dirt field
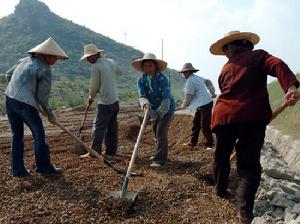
column 178, row 193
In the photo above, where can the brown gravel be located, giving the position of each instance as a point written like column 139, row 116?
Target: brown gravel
column 181, row 192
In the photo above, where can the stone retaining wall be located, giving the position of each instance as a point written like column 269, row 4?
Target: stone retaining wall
column 287, row 148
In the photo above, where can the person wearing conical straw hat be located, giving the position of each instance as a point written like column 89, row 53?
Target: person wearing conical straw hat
column 103, row 82
column 28, row 92
column 199, row 93
column 242, row 112
column 154, row 94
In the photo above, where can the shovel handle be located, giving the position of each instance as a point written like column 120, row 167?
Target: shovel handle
column 131, row 163
column 84, row 118
column 279, row 110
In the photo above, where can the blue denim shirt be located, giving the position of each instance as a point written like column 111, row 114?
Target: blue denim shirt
column 156, row 90
column 30, row 82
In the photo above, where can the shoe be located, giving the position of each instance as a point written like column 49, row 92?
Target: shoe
column 151, row 157
column 105, row 153
column 25, row 173
column 87, row 155
column 188, row 144
column 245, row 220
column 209, row 146
column 52, row 170
column 156, row 165
column 227, row 195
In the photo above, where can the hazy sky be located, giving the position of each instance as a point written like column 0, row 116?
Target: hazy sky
column 188, row 27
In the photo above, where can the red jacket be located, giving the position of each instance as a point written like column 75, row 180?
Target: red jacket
column 243, row 84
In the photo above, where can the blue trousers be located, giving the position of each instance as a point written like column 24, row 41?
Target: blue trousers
column 19, row 113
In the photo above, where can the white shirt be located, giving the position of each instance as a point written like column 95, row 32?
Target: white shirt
column 103, row 81
column 196, row 87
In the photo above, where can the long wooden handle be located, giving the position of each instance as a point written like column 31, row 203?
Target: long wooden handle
column 274, row 115
column 84, row 119
column 131, row 163
column 279, row 110
column 93, row 152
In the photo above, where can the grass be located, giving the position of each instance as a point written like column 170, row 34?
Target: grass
column 289, row 120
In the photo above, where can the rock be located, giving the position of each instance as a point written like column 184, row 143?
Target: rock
column 265, row 219
column 296, row 209
column 278, row 213
column 282, row 200
column 270, row 194
column 290, row 187
column 261, row 194
column 261, row 207
column 289, row 216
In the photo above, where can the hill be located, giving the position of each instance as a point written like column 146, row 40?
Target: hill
column 32, row 22
column 289, row 120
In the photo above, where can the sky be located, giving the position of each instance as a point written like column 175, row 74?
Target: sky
column 187, row 27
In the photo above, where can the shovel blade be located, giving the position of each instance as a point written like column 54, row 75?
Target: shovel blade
column 78, row 148
column 130, row 196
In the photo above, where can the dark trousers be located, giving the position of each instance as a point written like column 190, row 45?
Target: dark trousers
column 202, row 120
column 19, row 113
column 106, row 127
column 248, row 139
column 160, row 129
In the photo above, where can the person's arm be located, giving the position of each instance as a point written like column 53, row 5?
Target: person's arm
column 10, row 72
column 94, row 84
column 210, row 88
column 143, row 100
column 288, row 81
column 189, row 93
column 166, row 95
column 43, row 93
column 187, row 101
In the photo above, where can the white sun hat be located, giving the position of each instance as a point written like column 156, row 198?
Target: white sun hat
column 89, row 50
column 161, row 65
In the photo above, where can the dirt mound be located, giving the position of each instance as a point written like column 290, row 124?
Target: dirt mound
column 181, row 192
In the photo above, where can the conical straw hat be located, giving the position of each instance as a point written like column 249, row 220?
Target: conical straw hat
column 49, row 47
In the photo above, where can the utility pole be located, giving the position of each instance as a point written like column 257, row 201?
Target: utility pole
column 162, row 49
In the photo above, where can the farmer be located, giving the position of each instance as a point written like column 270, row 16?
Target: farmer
column 28, row 92
column 242, row 112
column 103, row 82
column 154, row 94
column 197, row 98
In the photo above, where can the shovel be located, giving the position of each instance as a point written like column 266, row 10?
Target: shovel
column 274, row 115
column 124, row 194
column 78, row 148
column 93, row 152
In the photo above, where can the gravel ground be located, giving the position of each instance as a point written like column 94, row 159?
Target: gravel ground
column 181, row 192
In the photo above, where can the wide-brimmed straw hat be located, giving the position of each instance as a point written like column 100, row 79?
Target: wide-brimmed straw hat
column 161, row 65
column 89, row 50
column 188, row 67
column 49, row 47
column 216, row 48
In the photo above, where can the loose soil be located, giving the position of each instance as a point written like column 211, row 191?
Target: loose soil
column 181, row 192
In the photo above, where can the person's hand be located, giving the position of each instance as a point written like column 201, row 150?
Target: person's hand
column 153, row 115
column 90, row 102
column 146, row 107
column 51, row 118
column 292, row 96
